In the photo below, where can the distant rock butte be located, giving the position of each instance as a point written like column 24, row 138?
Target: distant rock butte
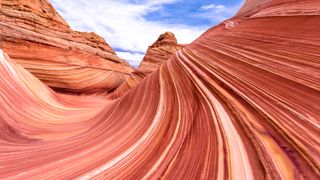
column 158, row 53
column 38, row 38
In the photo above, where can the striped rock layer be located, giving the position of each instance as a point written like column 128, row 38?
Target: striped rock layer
column 241, row 102
column 158, row 53
column 34, row 35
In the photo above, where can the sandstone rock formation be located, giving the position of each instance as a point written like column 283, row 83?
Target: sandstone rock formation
column 158, row 53
column 241, row 102
column 37, row 37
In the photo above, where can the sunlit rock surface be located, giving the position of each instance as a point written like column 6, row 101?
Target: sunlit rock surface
column 158, row 53
column 36, row 36
column 241, row 102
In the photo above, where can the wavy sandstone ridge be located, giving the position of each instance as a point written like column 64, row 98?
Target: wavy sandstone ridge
column 37, row 37
column 158, row 53
column 241, row 102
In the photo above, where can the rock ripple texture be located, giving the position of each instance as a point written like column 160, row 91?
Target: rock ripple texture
column 241, row 102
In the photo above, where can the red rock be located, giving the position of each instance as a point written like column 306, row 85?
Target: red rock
column 241, row 102
column 37, row 37
column 158, row 53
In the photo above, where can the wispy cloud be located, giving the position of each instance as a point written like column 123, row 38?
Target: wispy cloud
column 218, row 12
column 126, row 26
column 213, row 6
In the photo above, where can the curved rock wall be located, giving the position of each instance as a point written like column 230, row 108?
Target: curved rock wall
column 241, row 102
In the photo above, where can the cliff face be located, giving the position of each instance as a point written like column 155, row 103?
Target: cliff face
column 241, row 102
column 37, row 37
column 158, row 53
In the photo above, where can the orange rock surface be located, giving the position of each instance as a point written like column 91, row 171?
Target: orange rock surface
column 241, row 102
column 37, row 37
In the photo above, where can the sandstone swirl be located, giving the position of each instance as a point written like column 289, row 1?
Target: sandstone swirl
column 34, row 35
column 241, row 102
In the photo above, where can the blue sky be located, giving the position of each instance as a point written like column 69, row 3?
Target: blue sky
column 130, row 26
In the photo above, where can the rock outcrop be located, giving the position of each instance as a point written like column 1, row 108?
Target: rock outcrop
column 158, row 53
column 241, row 102
column 37, row 37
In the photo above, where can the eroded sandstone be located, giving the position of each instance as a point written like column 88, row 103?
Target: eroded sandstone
column 38, row 38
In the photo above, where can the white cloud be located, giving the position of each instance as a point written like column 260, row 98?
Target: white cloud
column 218, row 12
column 212, row 6
column 132, row 58
column 122, row 23
column 157, row 2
